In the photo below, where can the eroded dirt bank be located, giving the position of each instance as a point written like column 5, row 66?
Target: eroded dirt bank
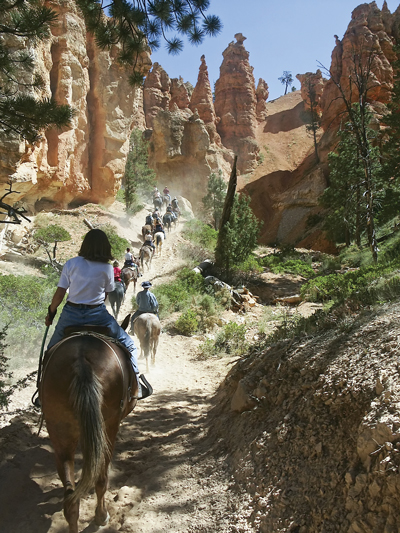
column 319, row 432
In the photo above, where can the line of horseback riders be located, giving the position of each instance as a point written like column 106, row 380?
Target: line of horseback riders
column 165, row 198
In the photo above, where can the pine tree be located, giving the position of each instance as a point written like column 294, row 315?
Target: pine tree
column 239, row 235
column 359, row 82
column 286, row 79
column 350, row 197
column 214, row 200
column 139, row 24
column 138, row 178
column 22, row 111
column 315, row 119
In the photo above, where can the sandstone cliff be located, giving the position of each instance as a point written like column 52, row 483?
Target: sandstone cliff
column 184, row 144
column 286, row 185
column 86, row 161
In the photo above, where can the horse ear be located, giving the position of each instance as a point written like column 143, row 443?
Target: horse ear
column 125, row 322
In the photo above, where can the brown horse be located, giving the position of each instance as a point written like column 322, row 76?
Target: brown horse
column 147, row 327
column 146, row 230
column 129, row 274
column 87, row 388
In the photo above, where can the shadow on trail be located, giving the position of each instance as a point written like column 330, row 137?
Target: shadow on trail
column 158, row 438
column 26, row 462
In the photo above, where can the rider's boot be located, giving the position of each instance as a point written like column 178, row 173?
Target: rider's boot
column 144, row 388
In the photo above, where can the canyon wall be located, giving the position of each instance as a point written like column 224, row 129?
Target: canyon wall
column 181, row 122
column 286, row 185
column 190, row 133
column 84, row 162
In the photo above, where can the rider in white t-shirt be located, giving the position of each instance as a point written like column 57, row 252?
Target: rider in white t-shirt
column 89, row 278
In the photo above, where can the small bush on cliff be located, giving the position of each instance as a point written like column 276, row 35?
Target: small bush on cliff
column 51, row 234
column 139, row 179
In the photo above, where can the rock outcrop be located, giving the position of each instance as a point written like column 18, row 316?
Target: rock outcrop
column 262, row 94
column 202, row 101
column 179, row 94
column 312, row 87
column 84, row 162
column 235, row 105
column 184, row 144
column 368, row 40
column 156, row 93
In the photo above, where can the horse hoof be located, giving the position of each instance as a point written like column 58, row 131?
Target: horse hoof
column 100, row 522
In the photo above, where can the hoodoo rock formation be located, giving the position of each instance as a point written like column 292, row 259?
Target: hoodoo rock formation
column 184, row 144
column 202, row 101
column 85, row 162
column 262, row 94
column 156, row 93
column 235, row 105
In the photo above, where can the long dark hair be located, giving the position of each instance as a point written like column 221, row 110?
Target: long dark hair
column 96, row 247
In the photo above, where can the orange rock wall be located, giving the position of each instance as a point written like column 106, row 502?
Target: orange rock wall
column 84, row 162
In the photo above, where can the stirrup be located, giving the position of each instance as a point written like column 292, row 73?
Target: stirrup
column 147, row 389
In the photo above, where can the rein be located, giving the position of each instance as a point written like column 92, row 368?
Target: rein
column 41, row 357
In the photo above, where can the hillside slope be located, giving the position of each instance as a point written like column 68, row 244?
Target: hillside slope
column 311, row 428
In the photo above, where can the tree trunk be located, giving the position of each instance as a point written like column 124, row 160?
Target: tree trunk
column 226, row 213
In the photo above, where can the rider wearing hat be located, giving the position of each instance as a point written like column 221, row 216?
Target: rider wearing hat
column 147, row 302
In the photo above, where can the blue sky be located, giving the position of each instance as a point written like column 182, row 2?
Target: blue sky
column 281, row 35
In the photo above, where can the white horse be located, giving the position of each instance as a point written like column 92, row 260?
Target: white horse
column 159, row 239
column 146, row 255
column 147, row 327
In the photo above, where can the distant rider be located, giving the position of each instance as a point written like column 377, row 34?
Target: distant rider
column 128, row 258
column 117, row 275
column 147, row 302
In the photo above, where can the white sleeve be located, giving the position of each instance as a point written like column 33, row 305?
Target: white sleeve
column 64, row 281
column 110, row 286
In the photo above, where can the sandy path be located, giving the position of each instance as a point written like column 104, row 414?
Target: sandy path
column 164, row 476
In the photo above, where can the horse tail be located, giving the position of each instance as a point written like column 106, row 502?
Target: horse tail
column 147, row 336
column 86, row 396
column 141, row 257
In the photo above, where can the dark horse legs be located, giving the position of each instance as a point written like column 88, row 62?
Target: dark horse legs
column 65, row 452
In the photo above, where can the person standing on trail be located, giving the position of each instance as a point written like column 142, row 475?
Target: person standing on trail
column 147, row 302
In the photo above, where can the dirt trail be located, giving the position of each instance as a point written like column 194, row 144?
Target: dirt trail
column 163, row 478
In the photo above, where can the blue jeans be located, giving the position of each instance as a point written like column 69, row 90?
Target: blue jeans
column 99, row 316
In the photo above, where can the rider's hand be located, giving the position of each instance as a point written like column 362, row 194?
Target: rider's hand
column 50, row 316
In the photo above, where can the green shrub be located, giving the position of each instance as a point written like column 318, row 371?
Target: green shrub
column 294, row 266
column 178, row 294
column 250, row 265
column 201, row 234
column 338, row 287
column 118, row 244
column 230, row 340
column 187, row 323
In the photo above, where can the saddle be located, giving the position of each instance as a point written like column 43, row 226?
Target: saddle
column 103, row 333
